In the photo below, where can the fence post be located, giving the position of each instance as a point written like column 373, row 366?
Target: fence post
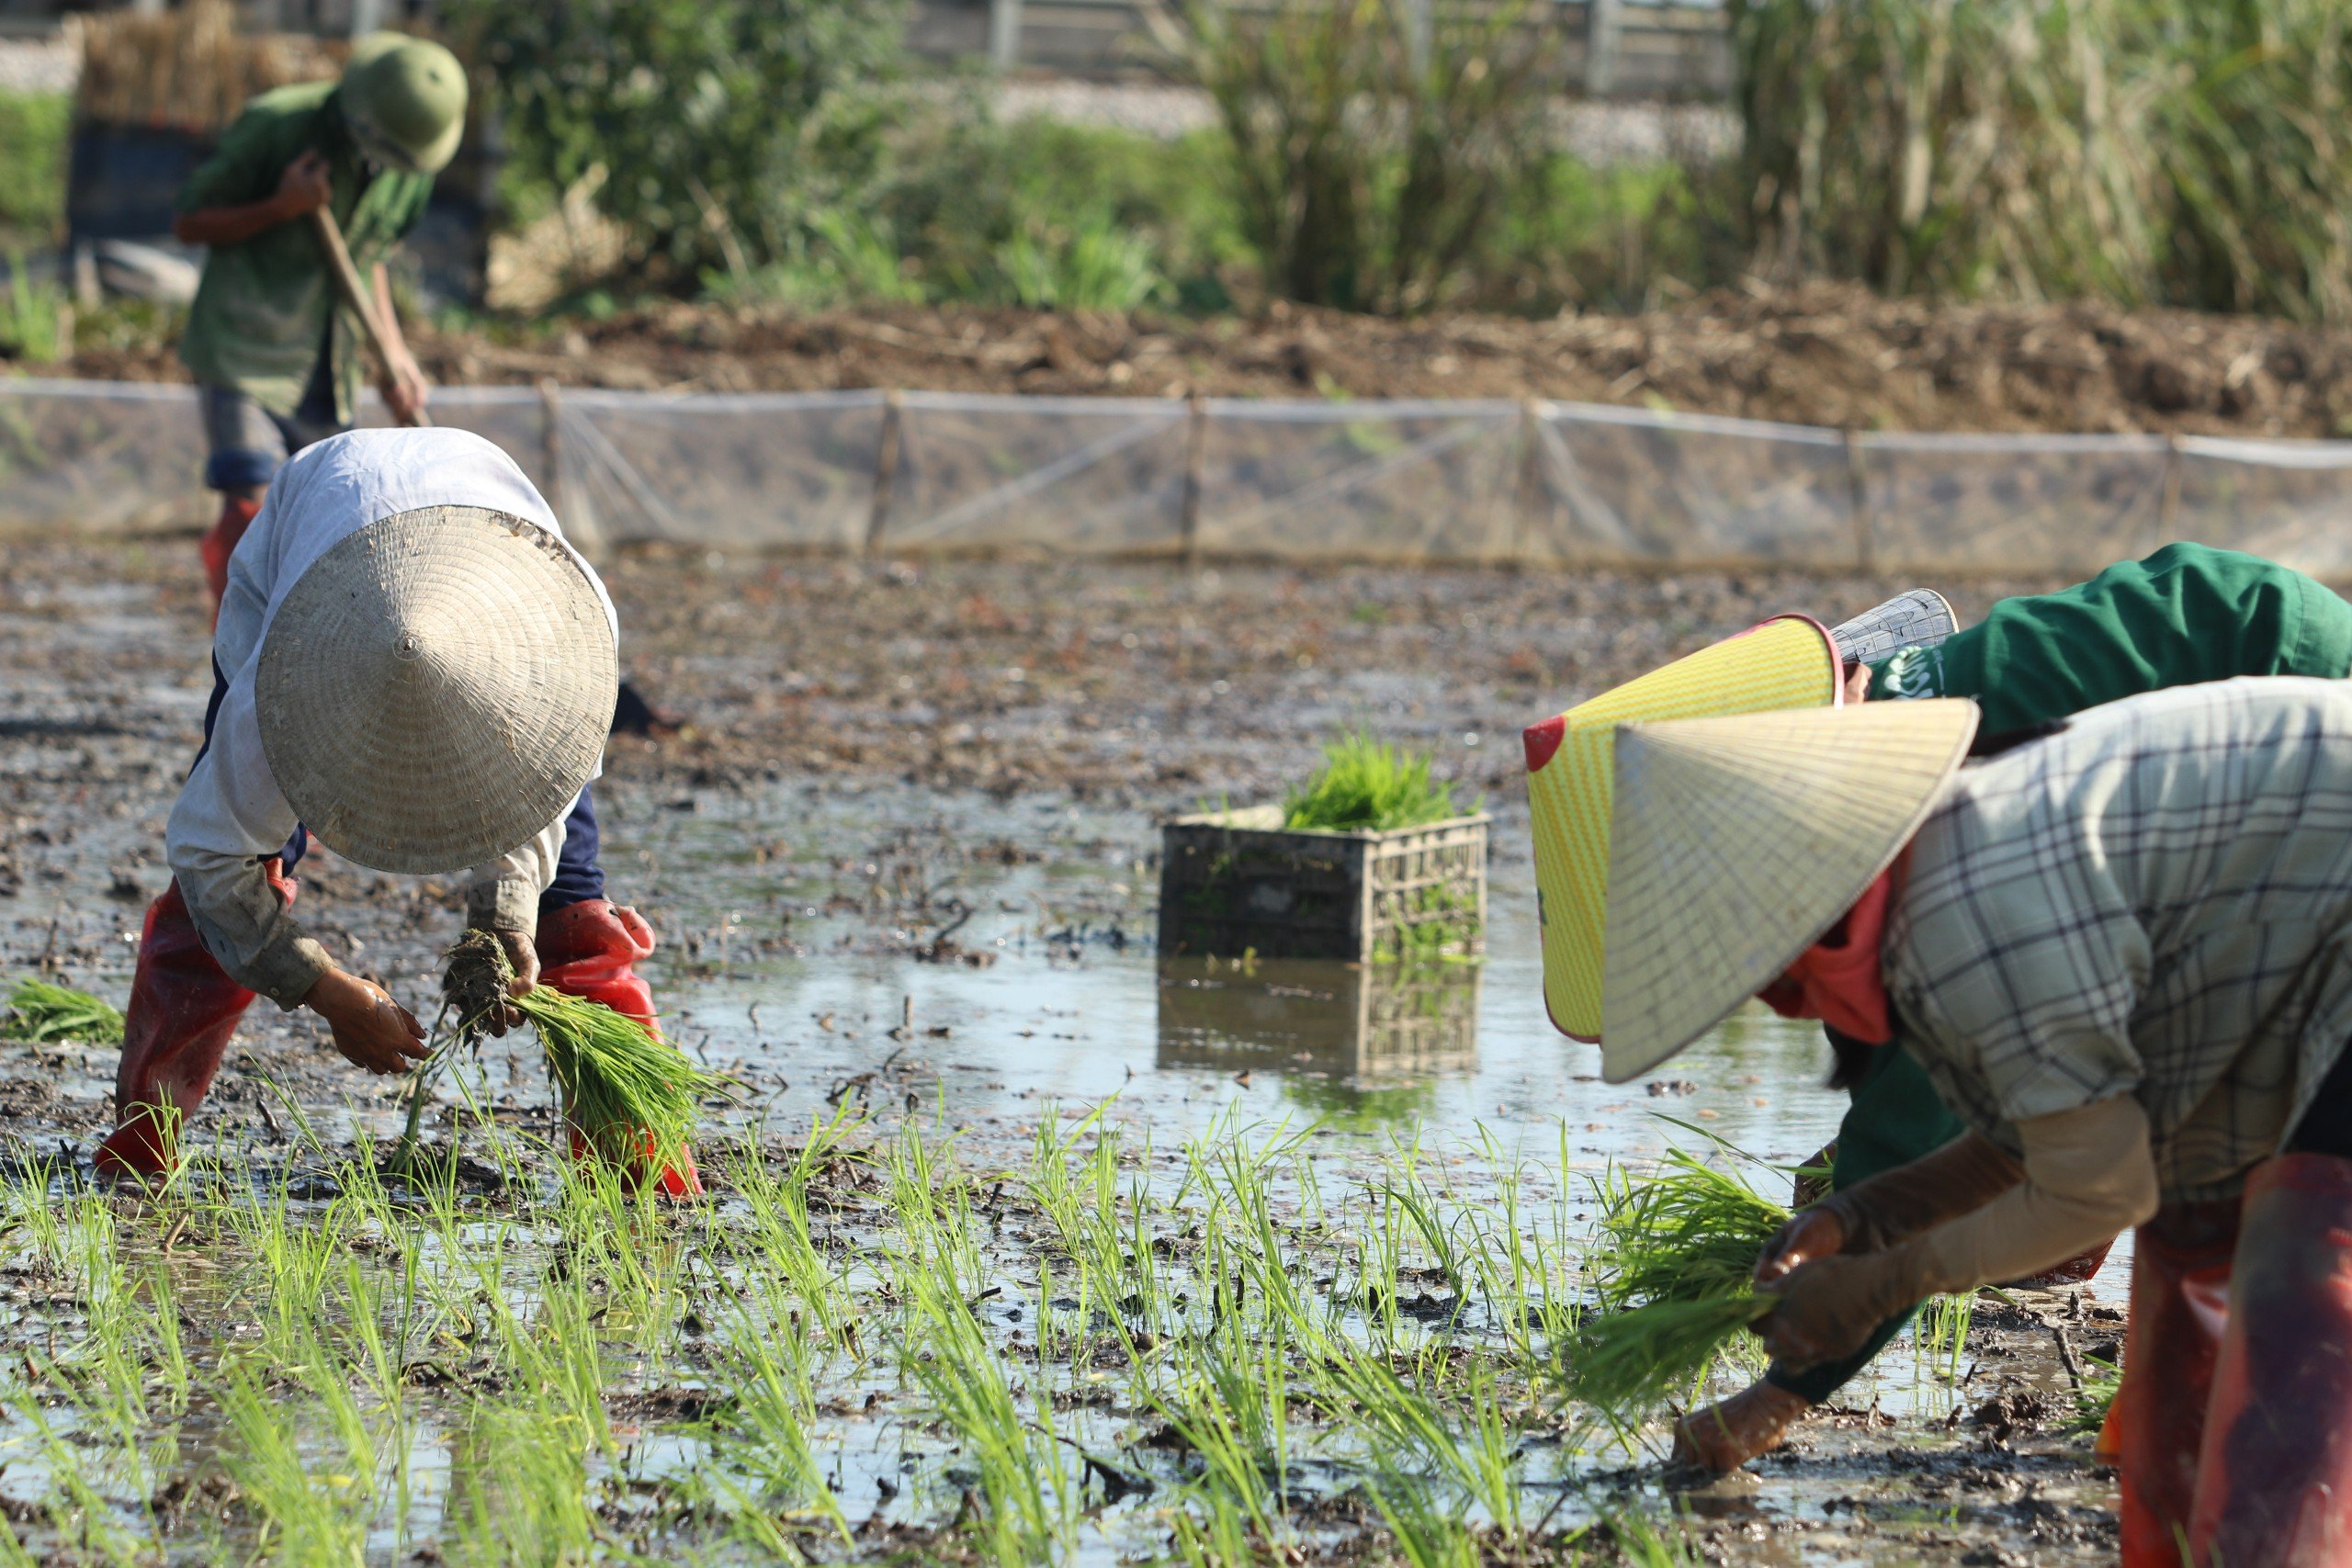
column 2168, row 494
column 1604, row 26
column 1865, row 545
column 1531, row 481
column 551, row 442
column 1196, row 445
column 1005, row 34
column 886, row 468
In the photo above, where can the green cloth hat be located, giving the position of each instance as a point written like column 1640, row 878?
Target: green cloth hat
column 405, row 101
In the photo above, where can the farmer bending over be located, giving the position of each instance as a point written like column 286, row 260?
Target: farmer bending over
column 275, row 353
column 2186, row 613
column 412, row 661
column 2119, row 952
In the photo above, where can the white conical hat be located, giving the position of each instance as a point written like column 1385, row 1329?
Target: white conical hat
column 436, row 688
column 1735, row 843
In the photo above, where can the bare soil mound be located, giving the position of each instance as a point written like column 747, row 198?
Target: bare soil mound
column 1821, row 355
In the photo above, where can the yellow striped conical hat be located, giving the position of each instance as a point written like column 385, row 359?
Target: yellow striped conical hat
column 1787, row 662
column 1737, row 843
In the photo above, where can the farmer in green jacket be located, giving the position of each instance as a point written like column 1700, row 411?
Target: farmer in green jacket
column 2187, row 614
column 275, row 355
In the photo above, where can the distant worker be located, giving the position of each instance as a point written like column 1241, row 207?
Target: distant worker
column 275, row 359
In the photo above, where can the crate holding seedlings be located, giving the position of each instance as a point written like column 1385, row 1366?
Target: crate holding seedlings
column 1370, row 863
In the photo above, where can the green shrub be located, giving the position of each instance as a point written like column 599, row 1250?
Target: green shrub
column 34, row 132
column 1367, row 159
column 715, row 127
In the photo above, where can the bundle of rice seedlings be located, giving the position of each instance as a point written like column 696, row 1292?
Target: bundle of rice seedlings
column 632, row 1094
column 1691, row 1233
column 1367, row 784
column 1670, row 1266
column 1626, row 1361
column 41, row 1012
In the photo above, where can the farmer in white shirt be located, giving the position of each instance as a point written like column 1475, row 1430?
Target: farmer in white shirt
column 411, row 664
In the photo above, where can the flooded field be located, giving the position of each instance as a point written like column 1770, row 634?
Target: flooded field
column 1025, row 1242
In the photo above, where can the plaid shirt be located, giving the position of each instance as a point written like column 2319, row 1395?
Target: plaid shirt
column 2157, row 902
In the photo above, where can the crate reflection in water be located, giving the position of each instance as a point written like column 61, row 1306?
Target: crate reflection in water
column 1315, row 1016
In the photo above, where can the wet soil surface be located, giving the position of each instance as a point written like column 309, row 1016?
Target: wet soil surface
column 1825, row 355
column 901, row 856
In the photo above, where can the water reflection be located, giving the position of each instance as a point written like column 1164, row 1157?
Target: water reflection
column 1362, row 1041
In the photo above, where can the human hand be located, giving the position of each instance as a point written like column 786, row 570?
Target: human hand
column 306, row 186
column 1827, row 1309
column 372, row 1031
column 1813, row 1234
column 404, row 388
column 1722, row 1437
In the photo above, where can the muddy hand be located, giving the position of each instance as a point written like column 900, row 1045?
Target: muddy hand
column 1722, row 1437
column 1827, row 1309
column 371, row 1030
column 1812, row 1235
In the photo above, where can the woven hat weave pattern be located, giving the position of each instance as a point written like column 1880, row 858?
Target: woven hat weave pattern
column 1786, row 662
column 1737, row 843
column 435, row 689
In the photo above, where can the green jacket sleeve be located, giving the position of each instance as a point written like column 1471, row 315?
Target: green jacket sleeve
column 2187, row 614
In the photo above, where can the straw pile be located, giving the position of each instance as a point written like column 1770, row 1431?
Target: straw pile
column 189, row 68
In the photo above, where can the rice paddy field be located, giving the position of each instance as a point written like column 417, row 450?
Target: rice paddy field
column 1023, row 1243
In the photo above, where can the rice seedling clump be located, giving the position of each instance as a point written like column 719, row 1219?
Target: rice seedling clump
column 1366, row 784
column 1671, row 1267
column 630, row 1092
column 41, row 1011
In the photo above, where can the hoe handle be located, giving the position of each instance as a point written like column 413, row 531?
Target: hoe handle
column 354, row 291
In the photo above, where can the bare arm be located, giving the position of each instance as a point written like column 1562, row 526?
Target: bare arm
column 304, row 187
column 404, row 386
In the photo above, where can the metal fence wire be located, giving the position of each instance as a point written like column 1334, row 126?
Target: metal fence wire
column 1533, row 483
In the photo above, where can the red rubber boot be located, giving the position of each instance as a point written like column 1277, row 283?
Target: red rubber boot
column 183, row 1009
column 237, row 514
column 2273, row 1480
column 2180, row 1278
column 589, row 949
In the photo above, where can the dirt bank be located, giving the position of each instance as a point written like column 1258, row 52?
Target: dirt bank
column 1818, row 356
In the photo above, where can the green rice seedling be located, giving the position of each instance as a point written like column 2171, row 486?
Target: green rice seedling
column 1621, row 1362
column 2102, row 1380
column 310, row 1513
column 633, row 1095
column 1690, row 1232
column 41, row 1011
column 1941, row 1333
column 1366, row 783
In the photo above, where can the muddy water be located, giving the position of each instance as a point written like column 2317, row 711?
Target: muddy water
column 970, row 960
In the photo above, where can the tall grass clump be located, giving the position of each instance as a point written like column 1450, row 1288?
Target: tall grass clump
column 1366, row 783
column 41, row 1011
column 2194, row 152
column 1369, row 144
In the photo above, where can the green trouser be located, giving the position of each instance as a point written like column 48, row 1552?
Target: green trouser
column 1896, row 1118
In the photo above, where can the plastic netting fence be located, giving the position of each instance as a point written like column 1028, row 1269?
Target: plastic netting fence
column 1537, row 483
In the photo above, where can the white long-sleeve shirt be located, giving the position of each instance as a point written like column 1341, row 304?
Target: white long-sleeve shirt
column 231, row 815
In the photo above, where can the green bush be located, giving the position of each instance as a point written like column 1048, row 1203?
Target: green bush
column 2180, row 151
column 713, row 129
column 1367, row 159
column 34, row 131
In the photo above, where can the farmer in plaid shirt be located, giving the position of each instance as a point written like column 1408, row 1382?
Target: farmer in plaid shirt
column 2187, row 614
column 2122, row 953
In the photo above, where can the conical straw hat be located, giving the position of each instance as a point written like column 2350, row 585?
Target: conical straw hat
column 436, row 688
column 1919, row 618
column 1787, row 662
column 1737, row 843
